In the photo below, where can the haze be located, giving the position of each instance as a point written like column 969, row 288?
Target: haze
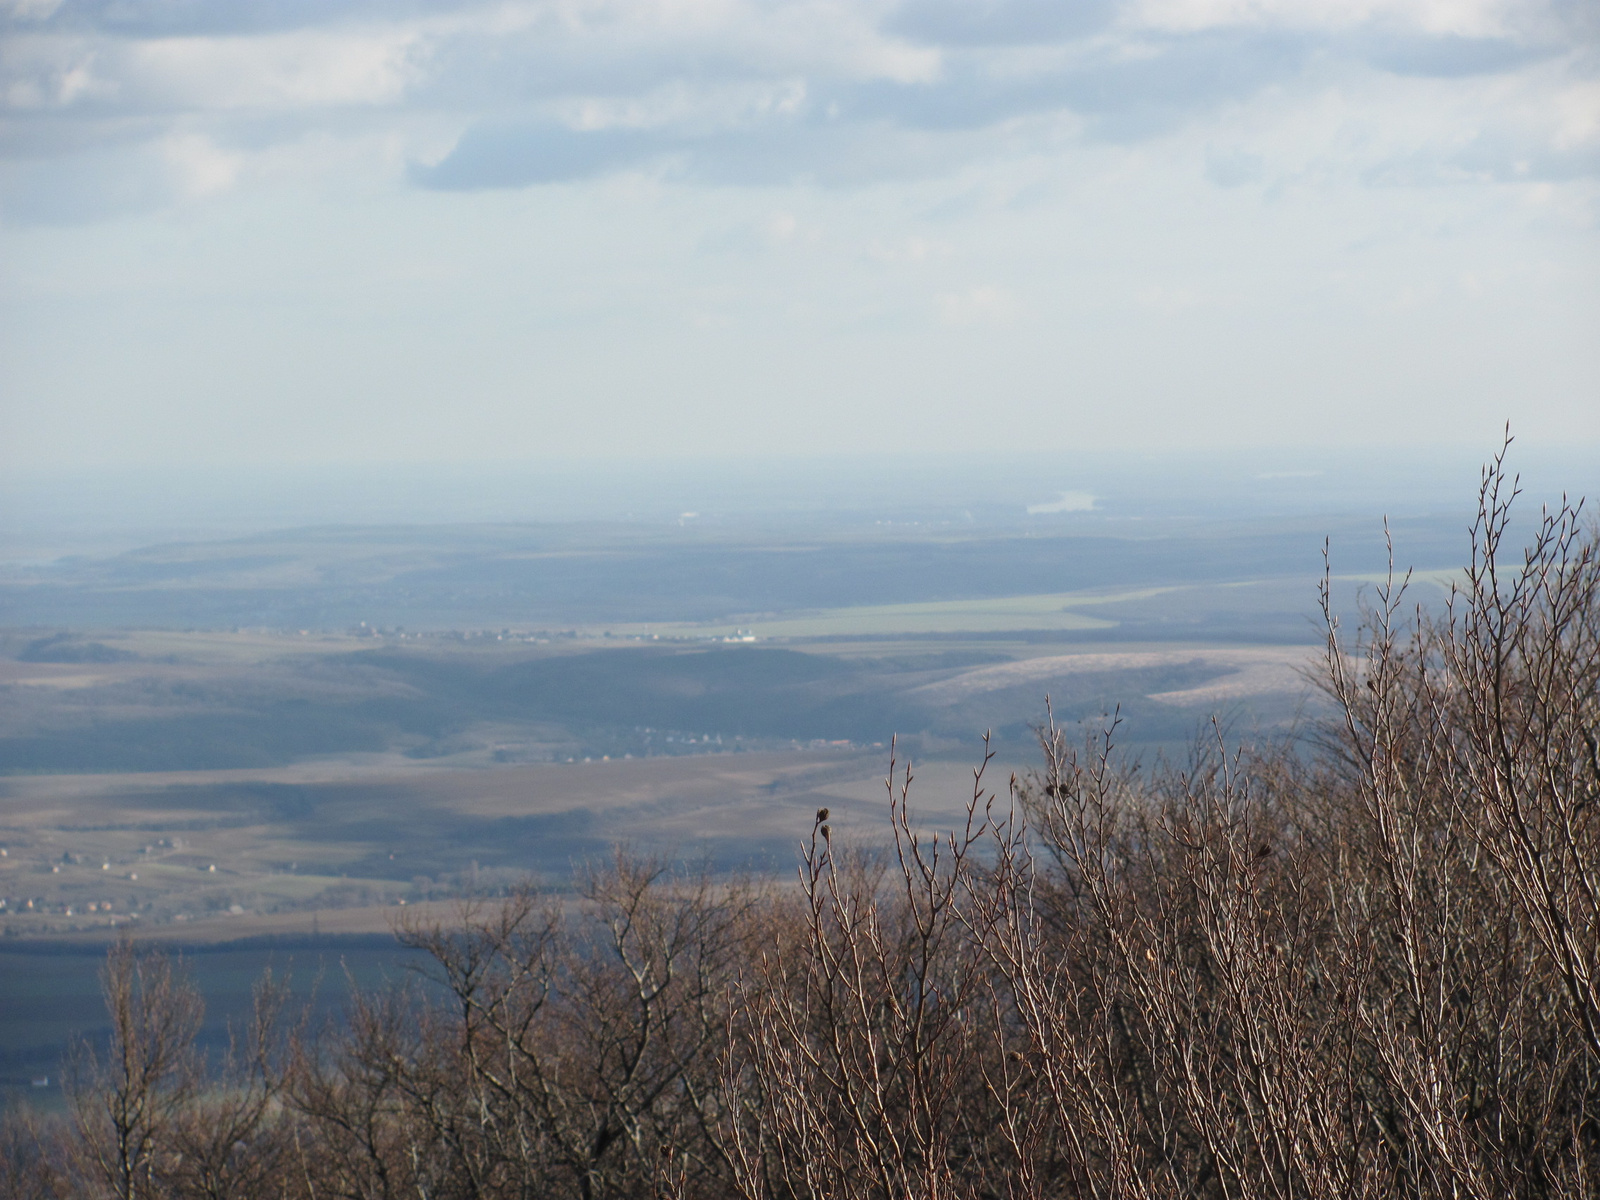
column 441, row 441
column 284, row 234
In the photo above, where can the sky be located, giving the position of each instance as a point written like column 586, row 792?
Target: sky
column 300, row 233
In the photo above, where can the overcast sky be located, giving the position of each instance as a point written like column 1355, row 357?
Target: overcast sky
column 320, row 231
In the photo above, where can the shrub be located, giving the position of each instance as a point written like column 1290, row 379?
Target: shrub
column 1366, row 968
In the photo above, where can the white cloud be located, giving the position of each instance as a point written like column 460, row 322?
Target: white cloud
column 982, row 305
column 1166, row 298
column 813, row 222
column 1065, row 502
column 30, row 10
column 295, row 71
column 201, row 168
column 51, row 73
column 1575, row 110
column 735, row 90
column 907, row 250
column 1462, row 18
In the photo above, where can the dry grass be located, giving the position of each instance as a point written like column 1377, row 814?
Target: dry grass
column 76, row 840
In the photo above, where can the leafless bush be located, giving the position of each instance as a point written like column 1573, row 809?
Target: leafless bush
column 229, row 1142
column 1468, row 862
column 33, row 1154
column 1522, row 648
column 1170, row 967
column 868, row 1025
column 1367, row 969
column 147, row 1119
column 570, row 1055
column 127, row 1099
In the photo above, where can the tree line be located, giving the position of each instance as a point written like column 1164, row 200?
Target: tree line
column 1364, row 963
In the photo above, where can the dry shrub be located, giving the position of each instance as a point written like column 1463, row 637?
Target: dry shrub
column 1364, row 969
column 867, row 1036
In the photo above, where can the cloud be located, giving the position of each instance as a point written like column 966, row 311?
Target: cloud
column 1065, row 502
column 27, row 11
column 775, row 153
column 998, row 22
column 1510, row 160
column 200, row 167
column 527, row 93
column 1450, row 56
column 1466, row 18
column 1123, row 90
column 1233, row 167
column 312, row 73
column 983, row 305
column 210, row 18
column 490, row 156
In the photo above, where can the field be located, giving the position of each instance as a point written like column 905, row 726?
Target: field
column 1001, row 614
column 592, row 577
column 263, row 846
column 281, row 747
column 308, row 862
column 215, row 785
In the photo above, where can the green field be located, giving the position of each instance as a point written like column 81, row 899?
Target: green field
column 1054, row 612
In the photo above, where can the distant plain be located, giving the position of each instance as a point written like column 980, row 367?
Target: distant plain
column 303, row 737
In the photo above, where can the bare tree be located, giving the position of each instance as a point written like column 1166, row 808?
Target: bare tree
column 1522, row 648
column 1467, row 861
column 1361, row 968
column 128, row 1098
column 866, row 1022
column 227, row 1143
column 552, row 1053
column 357, row 1137
column 34, row 1156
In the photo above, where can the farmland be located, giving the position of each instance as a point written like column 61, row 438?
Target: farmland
column 276, row 749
